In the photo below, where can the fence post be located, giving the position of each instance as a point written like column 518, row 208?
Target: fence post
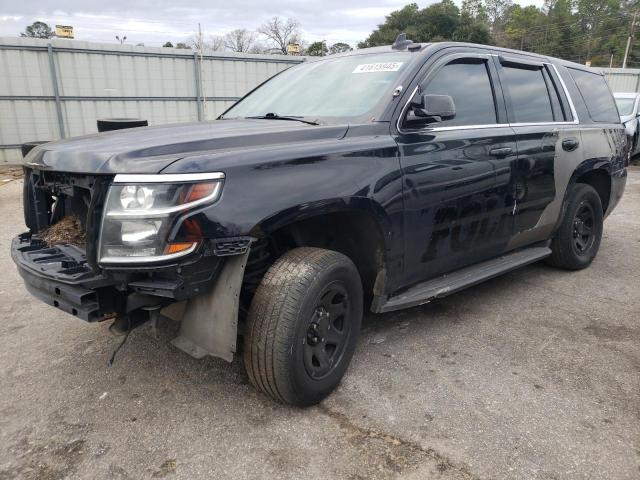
column 56, row 91
column 196, row 72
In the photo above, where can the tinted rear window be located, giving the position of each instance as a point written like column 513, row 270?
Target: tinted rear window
column 596, row 95
column 529, row 95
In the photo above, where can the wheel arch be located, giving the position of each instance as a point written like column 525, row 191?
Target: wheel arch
column 600, row 180
column 357, row 227
column 595, row 172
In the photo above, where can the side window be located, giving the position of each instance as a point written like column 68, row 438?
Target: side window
column 527, row 89
column 470, row 87
column 596, row 95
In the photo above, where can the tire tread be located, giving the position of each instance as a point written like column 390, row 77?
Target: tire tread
column 273, row 318
column 562, row 255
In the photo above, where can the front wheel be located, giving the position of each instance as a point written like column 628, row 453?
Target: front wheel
column 578, row 239
column 303, row 325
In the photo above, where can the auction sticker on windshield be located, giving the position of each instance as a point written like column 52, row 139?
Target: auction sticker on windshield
column 378, row 67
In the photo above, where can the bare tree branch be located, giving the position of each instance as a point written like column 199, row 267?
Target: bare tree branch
column 216, row 43
column 281, row 32
column 240, row 40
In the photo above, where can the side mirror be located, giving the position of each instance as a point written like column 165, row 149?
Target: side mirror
column 431, row 108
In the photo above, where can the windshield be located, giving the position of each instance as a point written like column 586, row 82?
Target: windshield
column 625, row 105
column 340, row 87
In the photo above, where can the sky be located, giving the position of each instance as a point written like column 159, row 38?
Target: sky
column 154, row 22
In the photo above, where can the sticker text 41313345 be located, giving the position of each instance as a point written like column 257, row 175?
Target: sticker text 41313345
column 377, row 67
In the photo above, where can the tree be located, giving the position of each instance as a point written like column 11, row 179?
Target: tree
column 240, row 40
column 215, row 43
column 521, row 27
column 38, row 30
column 183, row 46
column 168, row 45
column 404, row 20
column 472, row 30
column 576, row 30
column 317, row 49
column 439, row 21
column 475, row 9
column 280, row 32
column 495, row 11
column 339, row 47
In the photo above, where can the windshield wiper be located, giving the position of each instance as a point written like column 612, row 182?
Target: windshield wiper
column 275, row 116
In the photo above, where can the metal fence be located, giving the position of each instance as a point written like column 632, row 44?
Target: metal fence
column 58, row 88
column 51, row 89
column 622, row 79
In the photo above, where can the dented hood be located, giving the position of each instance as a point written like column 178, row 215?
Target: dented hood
column 151, row 149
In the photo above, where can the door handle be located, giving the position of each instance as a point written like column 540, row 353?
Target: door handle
column 500, row 152
column 570, row 144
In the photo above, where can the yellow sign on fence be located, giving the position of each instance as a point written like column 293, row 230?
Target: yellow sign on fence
column 293, row 49
column 64, row 31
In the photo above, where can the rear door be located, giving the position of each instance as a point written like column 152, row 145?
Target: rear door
column 546, row 133
column 454, row 214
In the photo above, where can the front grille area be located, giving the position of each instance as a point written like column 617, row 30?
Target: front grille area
column 50, row 197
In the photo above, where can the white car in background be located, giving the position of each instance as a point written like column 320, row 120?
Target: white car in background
column 628, row 107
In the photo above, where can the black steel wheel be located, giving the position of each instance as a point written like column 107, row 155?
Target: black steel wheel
column 583, row 228
column 328, row 333
column 303, row 325
column 577, row 240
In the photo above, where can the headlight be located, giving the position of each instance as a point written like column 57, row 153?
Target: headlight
column 141, row 209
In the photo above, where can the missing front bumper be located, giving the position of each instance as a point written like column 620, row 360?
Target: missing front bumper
column 60, row 276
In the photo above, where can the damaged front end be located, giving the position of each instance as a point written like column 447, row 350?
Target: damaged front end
column 66, row 261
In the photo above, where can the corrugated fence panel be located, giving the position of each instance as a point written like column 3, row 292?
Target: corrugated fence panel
column 622, row 80
column 106, row 81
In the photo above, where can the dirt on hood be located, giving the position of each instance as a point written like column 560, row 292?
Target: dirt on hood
column 68, row 230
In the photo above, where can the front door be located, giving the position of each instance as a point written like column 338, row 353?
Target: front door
column 456, row 213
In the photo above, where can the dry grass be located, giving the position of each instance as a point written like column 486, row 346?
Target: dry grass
column 68, row 230
column 8, row 173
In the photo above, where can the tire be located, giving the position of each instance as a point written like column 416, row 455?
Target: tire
column 578, row 239
column 303, row 325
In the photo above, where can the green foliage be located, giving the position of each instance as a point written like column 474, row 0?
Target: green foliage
column 339, row 47
column 317, row 49
column 183, row 46
column 168, row 45
column 577, row 30
column 38, row 30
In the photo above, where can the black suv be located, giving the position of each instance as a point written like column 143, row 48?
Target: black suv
column 380, row 179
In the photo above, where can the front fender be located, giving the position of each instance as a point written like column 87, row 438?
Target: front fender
column 262, row 193
column 309, row 210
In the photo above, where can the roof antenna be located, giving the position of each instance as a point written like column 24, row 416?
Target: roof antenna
column 401, row 42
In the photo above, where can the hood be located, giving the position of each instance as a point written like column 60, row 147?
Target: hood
column 151, row 149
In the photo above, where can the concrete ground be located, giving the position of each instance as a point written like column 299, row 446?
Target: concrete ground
column 534, row 375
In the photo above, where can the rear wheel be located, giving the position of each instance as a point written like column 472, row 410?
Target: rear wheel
column 303, row 325
column 578, row 239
